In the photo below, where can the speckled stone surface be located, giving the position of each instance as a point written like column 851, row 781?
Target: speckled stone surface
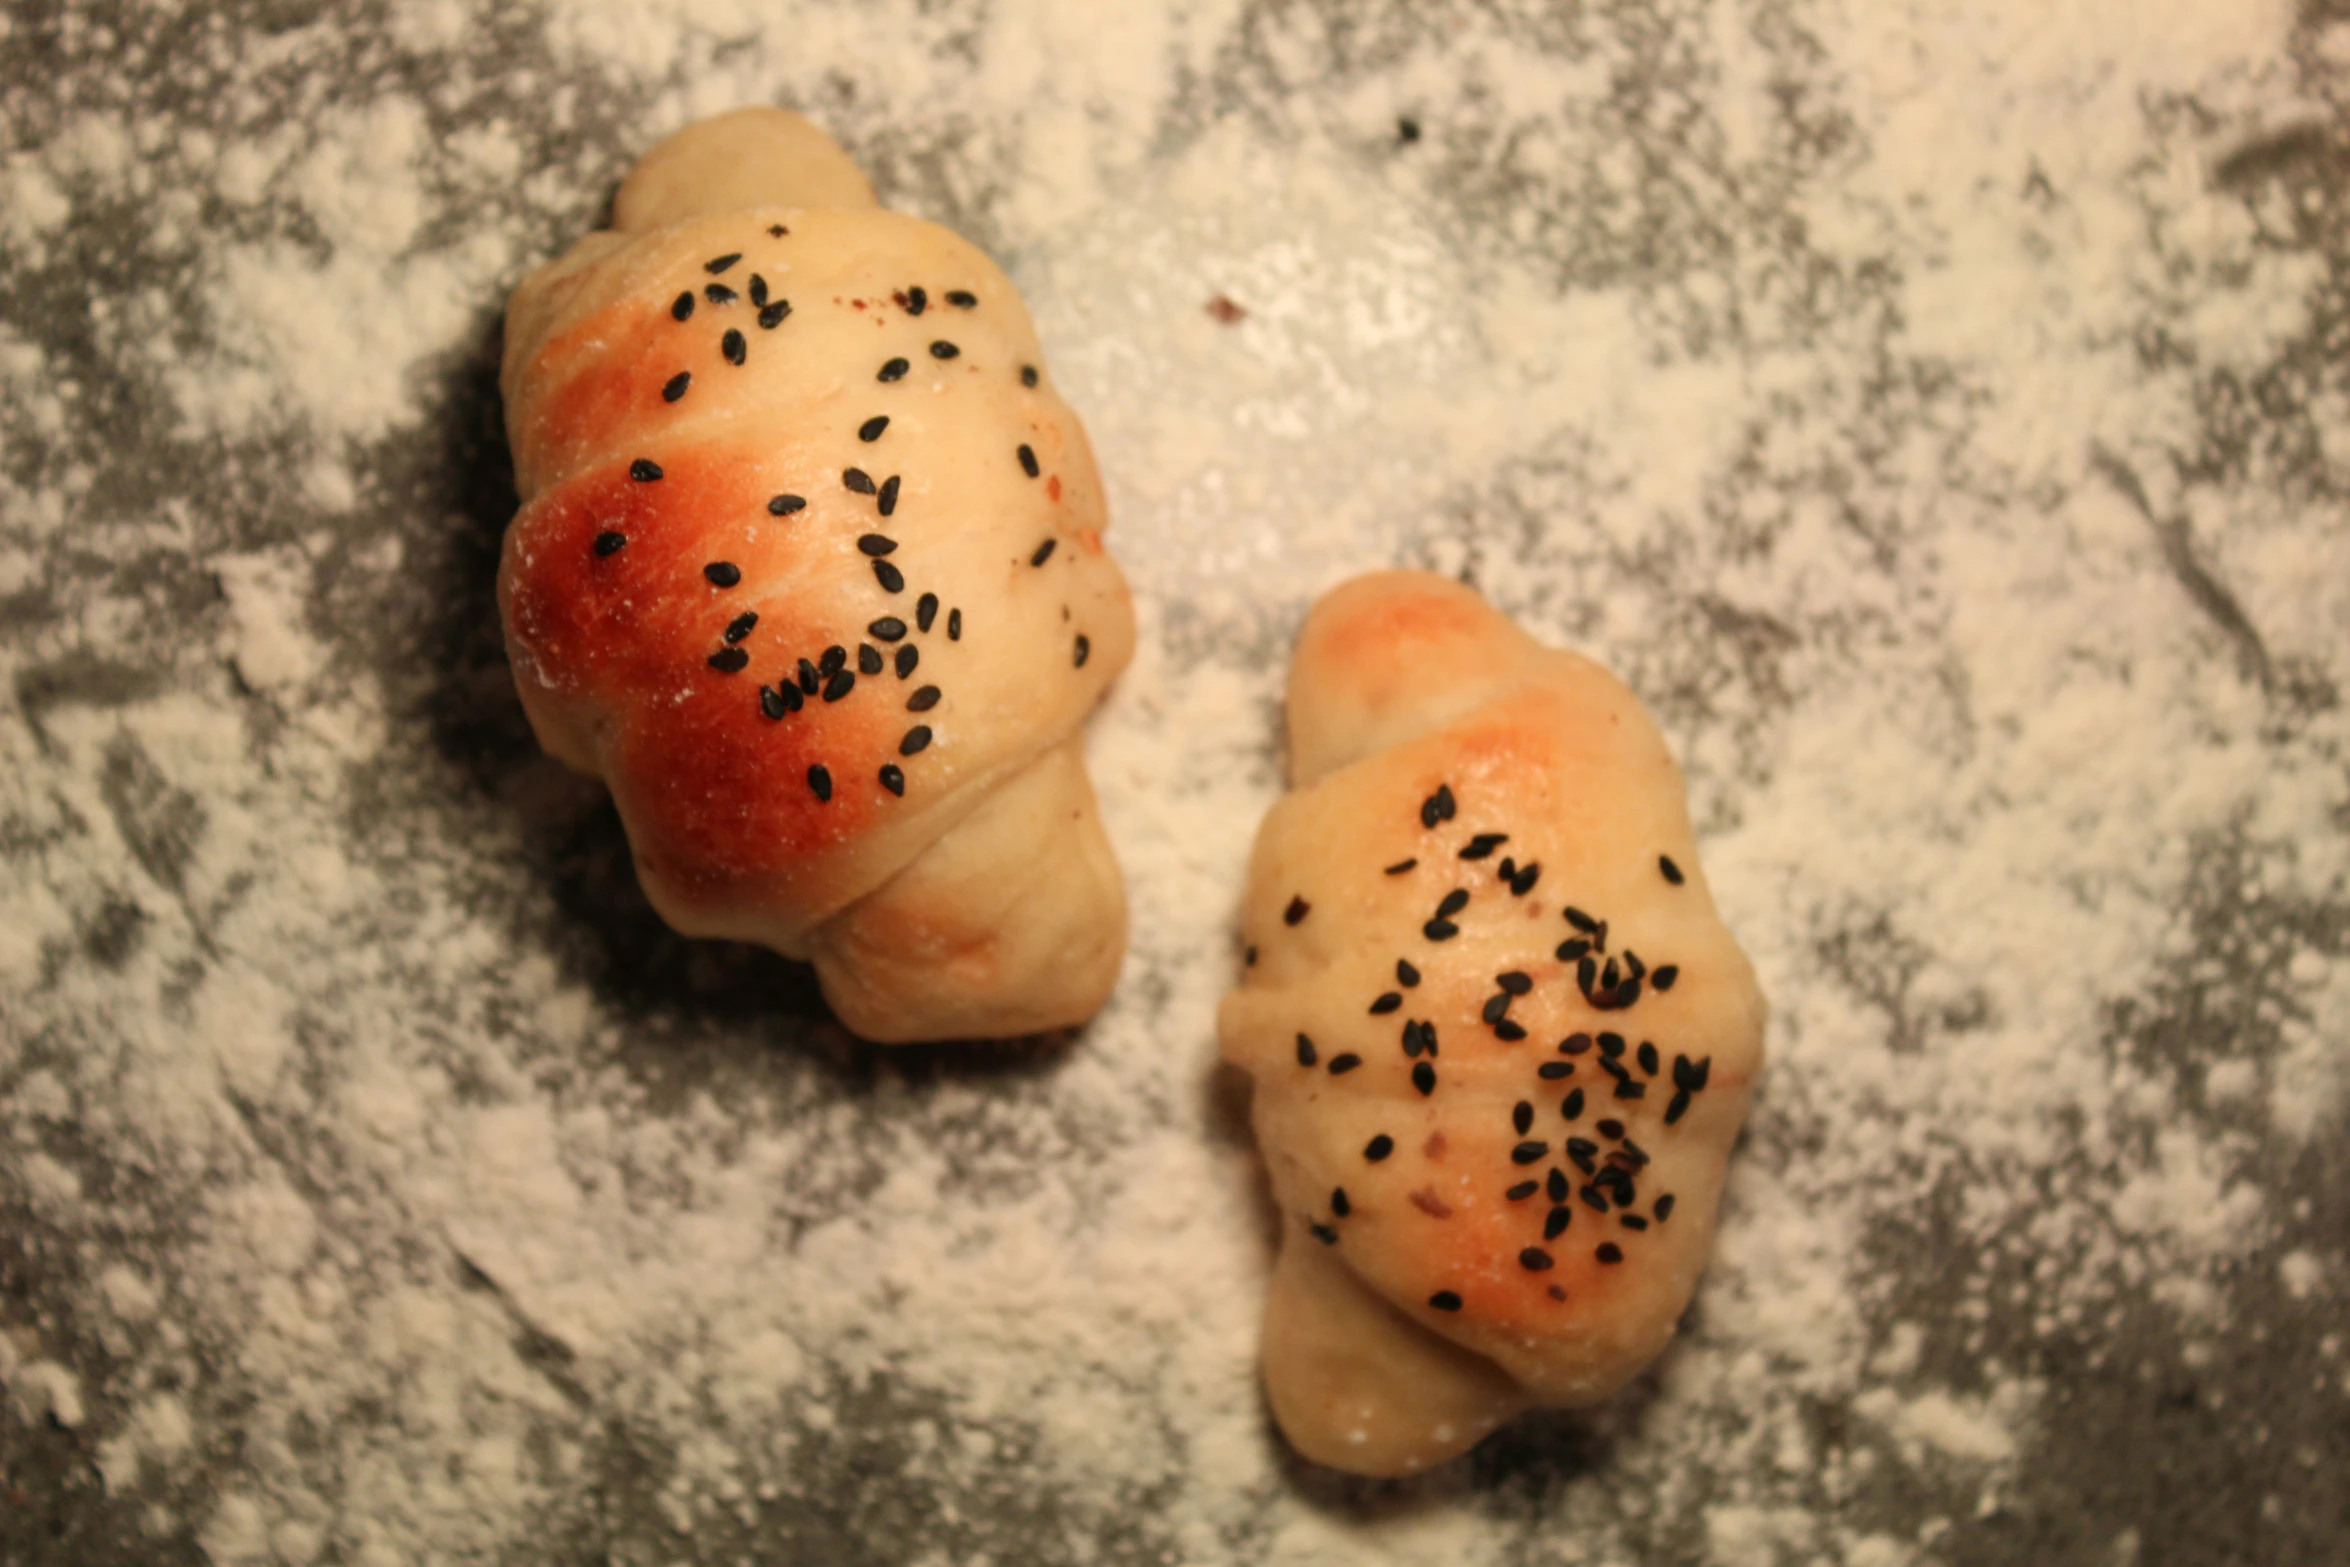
column 2166, row 1424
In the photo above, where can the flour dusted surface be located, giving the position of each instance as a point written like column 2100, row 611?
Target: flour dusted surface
column 1926, row 408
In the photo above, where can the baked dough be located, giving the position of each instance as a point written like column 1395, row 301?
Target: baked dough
column 809, row 570
column 1500, row 1040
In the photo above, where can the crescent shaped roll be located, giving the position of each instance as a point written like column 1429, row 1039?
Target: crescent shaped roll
column 809, row 570
column 1500, row 1041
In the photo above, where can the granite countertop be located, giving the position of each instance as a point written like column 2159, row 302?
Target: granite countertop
column 1938, row 418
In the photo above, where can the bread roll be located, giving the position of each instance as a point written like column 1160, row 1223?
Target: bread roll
column 809, row 570
column 1500, row 1040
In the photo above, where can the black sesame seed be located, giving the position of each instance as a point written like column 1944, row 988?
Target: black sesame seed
column 1516, row 982
column 1411, row 1039
column 1580, row 920
column 1387, row 1003
column 1556, row 1182
column 954, row 625
column 1378, row 1148
column 1484, row 844
column 1440, row 930
column 1406, row 975
column 1043, row 552
column 1082, row 651
column 810, row 677
column 962, row 299
column 1305, row 1051
column 1028, row 375
column 1524, row 881
column 820, row 782
column 1445, row 1300
column 1338, row 1203
column 1664, row 977
column 895, row 369
column 1664, row 1207
column 1570, row 950
column 771, row 316
column 758, row 289
column 1323, row 1233
column 674, row 387
column 942, row 349
column 785, row 505
column 1424, row 1078
column 683, row 306
column 609, row 543
column 925, row 610
column 718, row 294
column 868, row 659
column 1609, row 976
column 1664, row 862
column 1585, row 971
column 876, row 543
column 891, row 579
column 889, row 629
column 1529, row 1151
column 1572, row 1106
column 1595, row 1198
column 1635, row 1152
column 888, row 500
column 1507, row 869
column 1632, row 1221
column 923, row 700
column 741, row 626
column 871, row 429
column 1496, row 1007
column 1633, row 967
column 721, row 263
column 1611, row 1128
column 1522, row 1191
column 858, row 480
column 1574, row 1044
column 1580, row 1149
column 893, row 780
column 777, row 230
column 1436, row 807
column 1611, row 1045
column 1677, row 1106
column 644, row 470
column 1534, row 1259
column 1508, row 1032
column 1609, row 1252
column 723, row 573
column 917, row 740
column 1298, row 909
column 1028, row 462
column 733, row 347
column 843, row 681
column 1522, row 1117
column 1647, row 1058
column 908, row 657
column 729, row 660
column 1340, row 1065
column 1400, row 866
column 831, row 659
column 915, row 301
column 1552, row 1071
column 1626, row 993
column 1555, row 1223
column 773, row 703
column 1454, row 901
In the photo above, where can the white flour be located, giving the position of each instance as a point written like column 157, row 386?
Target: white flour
column 300, row 1066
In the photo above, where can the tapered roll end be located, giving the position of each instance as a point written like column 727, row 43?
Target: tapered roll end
column 754, row 157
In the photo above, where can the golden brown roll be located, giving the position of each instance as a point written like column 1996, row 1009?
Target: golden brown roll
column 809, row 570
